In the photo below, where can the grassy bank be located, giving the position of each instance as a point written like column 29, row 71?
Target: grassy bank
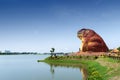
column 97, row 68
column 113, row 67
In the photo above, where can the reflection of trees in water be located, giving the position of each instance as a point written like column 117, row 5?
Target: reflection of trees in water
column 82, row 70
column 52, row 70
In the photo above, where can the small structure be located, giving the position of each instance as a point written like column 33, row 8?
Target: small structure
column 115, row 50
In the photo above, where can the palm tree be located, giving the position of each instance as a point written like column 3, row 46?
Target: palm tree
column 52, row 51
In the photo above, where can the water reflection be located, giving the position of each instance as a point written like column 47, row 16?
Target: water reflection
column 82, row 71
column 52, row 71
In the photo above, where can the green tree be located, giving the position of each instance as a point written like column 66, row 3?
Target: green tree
column 118, row 48
column 52, row 51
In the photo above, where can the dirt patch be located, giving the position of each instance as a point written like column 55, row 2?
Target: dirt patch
column 115, row 78
column 112, row 68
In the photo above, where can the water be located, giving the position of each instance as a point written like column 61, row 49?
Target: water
column 26, row 67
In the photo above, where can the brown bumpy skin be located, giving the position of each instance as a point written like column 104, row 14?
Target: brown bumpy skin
column 91, row 41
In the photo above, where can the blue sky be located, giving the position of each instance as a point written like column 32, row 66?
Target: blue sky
column 38, row 25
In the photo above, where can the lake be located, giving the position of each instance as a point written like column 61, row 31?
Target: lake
column 26, row 67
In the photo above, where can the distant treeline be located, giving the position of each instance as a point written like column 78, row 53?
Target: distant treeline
column 34, row 53
column 17, row 53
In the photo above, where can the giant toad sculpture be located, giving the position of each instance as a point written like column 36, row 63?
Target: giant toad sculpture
column 91, row 41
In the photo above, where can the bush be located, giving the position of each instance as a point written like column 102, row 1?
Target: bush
column 118, row 48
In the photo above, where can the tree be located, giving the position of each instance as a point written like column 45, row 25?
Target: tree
column 118, row 48
column 52, row 51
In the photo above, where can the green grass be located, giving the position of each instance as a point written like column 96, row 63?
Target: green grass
column 96, row 71
column 112, row 60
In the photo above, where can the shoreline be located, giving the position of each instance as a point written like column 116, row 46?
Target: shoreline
column 97, row 67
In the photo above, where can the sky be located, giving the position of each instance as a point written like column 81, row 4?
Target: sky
column 39, row 25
